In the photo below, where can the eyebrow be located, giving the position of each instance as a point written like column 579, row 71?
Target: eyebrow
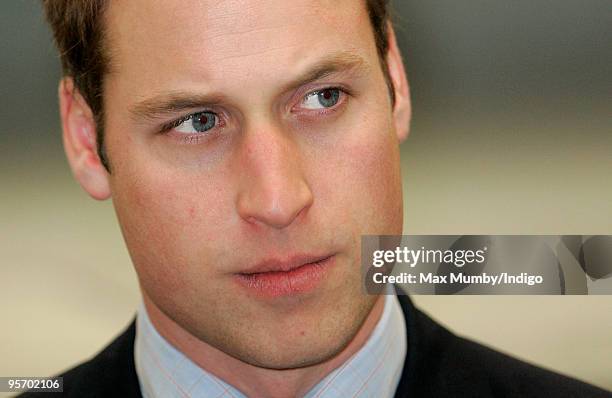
column 338, row 63
column 176, row 101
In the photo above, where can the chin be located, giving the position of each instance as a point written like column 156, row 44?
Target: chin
column 321, row 340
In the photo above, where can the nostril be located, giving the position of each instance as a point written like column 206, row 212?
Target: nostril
column 275, row 208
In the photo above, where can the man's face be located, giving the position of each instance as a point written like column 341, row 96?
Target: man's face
column 291, row 155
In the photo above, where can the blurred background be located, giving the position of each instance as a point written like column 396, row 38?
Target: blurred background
column 511, row 134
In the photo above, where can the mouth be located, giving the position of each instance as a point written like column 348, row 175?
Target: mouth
column 274, row 278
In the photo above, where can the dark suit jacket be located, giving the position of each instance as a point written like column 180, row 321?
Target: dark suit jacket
column 438, row 364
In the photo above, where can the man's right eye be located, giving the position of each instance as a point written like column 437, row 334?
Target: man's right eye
column 195, row 123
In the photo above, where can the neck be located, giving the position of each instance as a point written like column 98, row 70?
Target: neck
column 254, row 381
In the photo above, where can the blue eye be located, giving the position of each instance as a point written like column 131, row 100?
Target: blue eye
column 199, row 122
column 322, row 99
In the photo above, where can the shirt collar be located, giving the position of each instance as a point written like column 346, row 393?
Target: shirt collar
column 373, row 371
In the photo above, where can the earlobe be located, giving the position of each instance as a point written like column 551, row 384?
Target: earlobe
column 402, row 110
column 79, row 137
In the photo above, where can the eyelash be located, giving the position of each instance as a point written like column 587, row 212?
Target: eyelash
column 195, row 137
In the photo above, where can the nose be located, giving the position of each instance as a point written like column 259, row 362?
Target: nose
column 273, row 189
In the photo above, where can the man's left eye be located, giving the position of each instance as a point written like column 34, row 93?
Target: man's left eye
column 321, row 99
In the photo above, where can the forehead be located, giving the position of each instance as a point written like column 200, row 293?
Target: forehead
column 204, row 40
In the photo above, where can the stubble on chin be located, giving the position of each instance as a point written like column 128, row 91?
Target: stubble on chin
column 333, row 338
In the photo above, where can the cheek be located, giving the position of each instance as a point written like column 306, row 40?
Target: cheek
column 377, row 187
column 171, row 224
column 365, row 185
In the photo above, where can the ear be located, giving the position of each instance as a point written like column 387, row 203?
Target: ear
column 79, row 136
column 402, row 110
